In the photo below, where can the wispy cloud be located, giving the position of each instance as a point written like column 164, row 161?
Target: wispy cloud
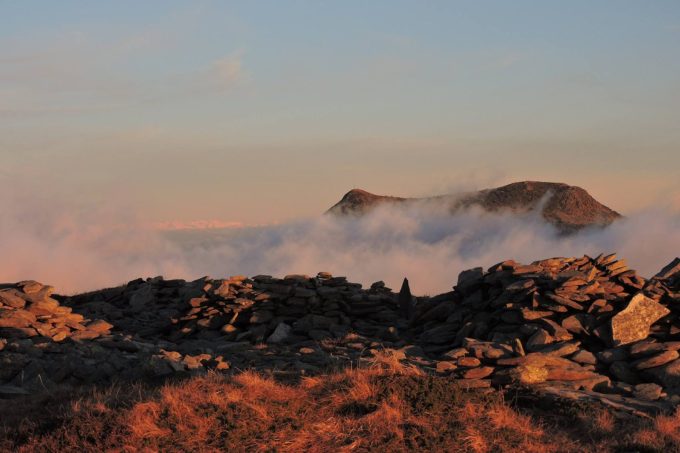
column 228, row 70
column 508, row 59
column 78, row 72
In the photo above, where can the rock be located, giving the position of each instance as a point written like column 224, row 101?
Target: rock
column 623, row 372
column 280, row 334
column 15, row 319
column 612, row 355
column 469, row 279
column 478, row 373
column 579, row 324
column 669, row 271
column 319, row 334
column 30, row 286
column 645, row 348
column 517, row 347
column 11, row 298
column 659, row 359
column 554, row 329
column 532, row 315
column 441, row 334
column 445, row 366
column 261, row 317
column 488, row 349
column 648, row 392
column 632, row 323
column 468, row 362
column 539, row 339
column 10, row 392
column 198, row 301
column 81, row 335
column 11, row 333
column 158, row 366
column 405, row 300
column 560, row 349
column 142, row 298
column 99, row 325
column 569, row 374
column 523, row 374
column 584, row 357
column 455, row 353
column 667, row 375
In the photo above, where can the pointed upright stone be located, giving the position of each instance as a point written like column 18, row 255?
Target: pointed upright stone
column 405, row 300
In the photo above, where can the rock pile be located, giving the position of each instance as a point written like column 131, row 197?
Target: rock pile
column 588, row 323
column 589, row 327
column 28, row 311
column 259, row 310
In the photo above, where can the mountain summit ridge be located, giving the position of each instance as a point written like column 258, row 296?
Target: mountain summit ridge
column 569, row 208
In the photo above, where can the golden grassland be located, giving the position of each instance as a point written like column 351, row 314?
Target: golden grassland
column 387, row 407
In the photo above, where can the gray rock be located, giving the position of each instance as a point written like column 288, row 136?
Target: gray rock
column 280, row 334
column 142, row 298
column 10, row 391
column 623, row 372
column 442, row 334
column 261, row 317
column 469, row 279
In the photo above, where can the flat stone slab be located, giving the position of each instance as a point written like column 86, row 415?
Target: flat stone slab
column 635, row 406
column 633, row 322
column 10, row 391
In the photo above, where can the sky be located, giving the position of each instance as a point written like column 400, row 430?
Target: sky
column 267, row 111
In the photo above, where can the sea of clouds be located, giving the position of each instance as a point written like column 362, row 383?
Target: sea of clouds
column 89, row 247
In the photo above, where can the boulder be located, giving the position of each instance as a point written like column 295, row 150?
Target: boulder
column 633, row 322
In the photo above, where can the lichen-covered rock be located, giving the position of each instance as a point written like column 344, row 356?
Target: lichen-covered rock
column 633, row 322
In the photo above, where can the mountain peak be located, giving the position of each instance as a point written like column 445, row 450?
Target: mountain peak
column 359, row 201
column 569, row 208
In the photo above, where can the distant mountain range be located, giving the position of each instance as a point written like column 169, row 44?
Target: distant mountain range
column 569, row 208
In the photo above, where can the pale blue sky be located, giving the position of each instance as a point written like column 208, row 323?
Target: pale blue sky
column 259, row 111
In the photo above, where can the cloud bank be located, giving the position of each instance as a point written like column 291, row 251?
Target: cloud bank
column 83, row 248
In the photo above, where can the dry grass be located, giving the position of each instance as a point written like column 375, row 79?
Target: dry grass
column 384, row 407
